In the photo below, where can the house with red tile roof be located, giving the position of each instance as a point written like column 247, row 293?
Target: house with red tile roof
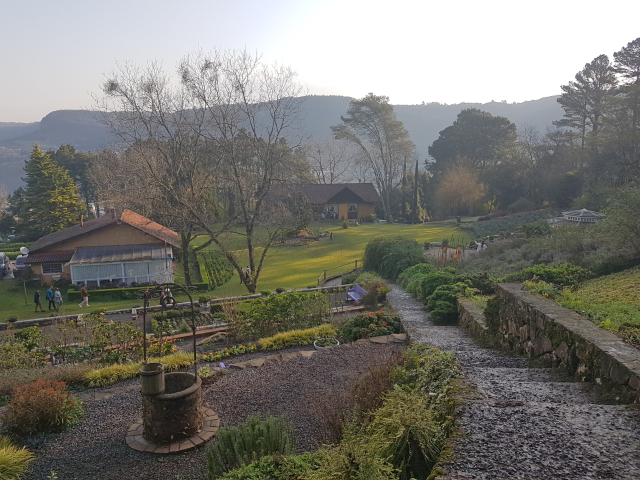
column 121, row 248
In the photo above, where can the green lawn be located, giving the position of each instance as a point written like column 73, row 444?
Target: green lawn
column 296, row 267
column 287, row 267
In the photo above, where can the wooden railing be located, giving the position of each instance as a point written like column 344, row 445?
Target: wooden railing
column 322, row 279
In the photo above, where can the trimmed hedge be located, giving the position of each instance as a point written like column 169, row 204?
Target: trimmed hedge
column 127, row 293
column 295, row 338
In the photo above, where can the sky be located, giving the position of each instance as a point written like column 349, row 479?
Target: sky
column 53, row 54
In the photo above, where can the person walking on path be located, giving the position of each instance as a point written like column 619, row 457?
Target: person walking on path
column 36, row 300
column 331, row 237
column 49, row 296
column 247, row 273
column 85, row 297
column 57, row 298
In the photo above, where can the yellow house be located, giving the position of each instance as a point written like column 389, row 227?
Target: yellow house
column 343, row 201
column 117, row 249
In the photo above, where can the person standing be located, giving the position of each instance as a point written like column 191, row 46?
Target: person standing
column 49, row 296
column 57, row 298
column 36, row 300
column 85, row 297
column 331, row 237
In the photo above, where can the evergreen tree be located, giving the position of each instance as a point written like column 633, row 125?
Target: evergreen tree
column 50, row 198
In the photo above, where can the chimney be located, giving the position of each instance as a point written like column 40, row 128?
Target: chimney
column 81, row 221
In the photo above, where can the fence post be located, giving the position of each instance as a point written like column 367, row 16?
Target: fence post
column 325, row 275
column 356, row 264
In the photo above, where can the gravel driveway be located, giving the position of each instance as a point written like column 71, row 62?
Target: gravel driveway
column 527, row 423
column 95, row 449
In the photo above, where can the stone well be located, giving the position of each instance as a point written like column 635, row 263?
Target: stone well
column 175, row 414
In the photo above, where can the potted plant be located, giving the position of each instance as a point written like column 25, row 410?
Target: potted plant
column 322, row 343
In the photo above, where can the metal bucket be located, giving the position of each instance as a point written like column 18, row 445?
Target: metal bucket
column 152, row 379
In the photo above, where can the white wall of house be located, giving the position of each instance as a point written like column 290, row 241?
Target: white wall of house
column 151, row 271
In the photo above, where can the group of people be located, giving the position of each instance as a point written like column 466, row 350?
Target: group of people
column 53, row 296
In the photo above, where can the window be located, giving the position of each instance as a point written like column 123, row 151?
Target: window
column 353, row 207
column 51, row 268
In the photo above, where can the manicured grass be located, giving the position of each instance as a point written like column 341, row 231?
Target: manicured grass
column 296, row 267
column 615, row 297
column 287, row 267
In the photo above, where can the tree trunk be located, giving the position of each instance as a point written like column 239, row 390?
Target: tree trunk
column 185, row 240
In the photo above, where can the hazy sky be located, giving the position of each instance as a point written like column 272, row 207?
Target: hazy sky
column 54, row 53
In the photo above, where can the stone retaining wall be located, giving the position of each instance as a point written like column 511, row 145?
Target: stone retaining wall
column 557, row 337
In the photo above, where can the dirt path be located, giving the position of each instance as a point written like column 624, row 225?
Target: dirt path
column 527, row 423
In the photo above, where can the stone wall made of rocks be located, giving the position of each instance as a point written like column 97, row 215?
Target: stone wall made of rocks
column 556, row 337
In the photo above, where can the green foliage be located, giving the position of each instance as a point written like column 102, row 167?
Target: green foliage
column 538, row 287
column 247, row 442
column 492, row 313
column 218, row 270
column 564, row 274
column 205, row 372
column 369, row 218
column 443, row 302
column 41, row 407
column 371, row 324
column 15, row 355
column 50, row 200
column 536, row 229
column 408, row 275
column 103, row 376
column 520, row 205
column 431, row 281
column 406, row 432
column 509, row 223
column 622, row 224
column 126, row 293
column 345, row 224
column 14, row 461
column 294, row 338
column 30, row 337
column 390, row 256
column 275, row 467
column 229, row 352
column 279, row 313
column 265, row 292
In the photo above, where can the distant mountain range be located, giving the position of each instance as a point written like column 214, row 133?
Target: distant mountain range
column 83, row 130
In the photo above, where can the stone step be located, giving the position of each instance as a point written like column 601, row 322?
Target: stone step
column 503, row 374
column 521, row 391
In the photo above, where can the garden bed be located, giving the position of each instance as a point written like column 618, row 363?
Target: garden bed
column 96, row 448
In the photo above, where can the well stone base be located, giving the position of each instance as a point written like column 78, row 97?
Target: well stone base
column 175, row 414
column 210, row 426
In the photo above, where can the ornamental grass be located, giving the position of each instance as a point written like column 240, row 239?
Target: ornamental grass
column 14, row 461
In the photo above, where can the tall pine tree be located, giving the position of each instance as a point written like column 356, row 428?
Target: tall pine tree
column 51, row 200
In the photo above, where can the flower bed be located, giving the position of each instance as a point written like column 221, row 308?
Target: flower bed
column 371, row 324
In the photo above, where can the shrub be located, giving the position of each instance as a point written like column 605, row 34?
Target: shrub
column 71, row 374
column 421, row 269
column 280, row 290
column 371, row 324
column 443, row 303
column 427, row 369
column 217, row 269
column 295, row 338
column 354, row 458
column 15, row 355
column 243, row 444
column 345, row 224
column 536, row 229
column 101, row 377
column 371, row 218
column 407, row 433
column 538, row 287
column 520, row 205
column 367, row 279
column 228, row 352
column 272, row 467
column 431, row 281
column 279, row 313
column 564, row 274
column 41, row 407
column 265, row 292
column 31, row 337
column 13, row 460
column 390, row 256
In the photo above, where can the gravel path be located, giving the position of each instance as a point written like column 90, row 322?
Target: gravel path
column 95, row 449
column 527, row 423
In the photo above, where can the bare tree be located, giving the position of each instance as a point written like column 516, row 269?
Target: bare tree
column 331, row 161
column 211, row 143
column 459, row 189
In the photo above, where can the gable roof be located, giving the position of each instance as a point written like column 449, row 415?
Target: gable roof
column 126, row 216
column 319, row 193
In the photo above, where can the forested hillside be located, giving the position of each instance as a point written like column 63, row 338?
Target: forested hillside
column 83, row 130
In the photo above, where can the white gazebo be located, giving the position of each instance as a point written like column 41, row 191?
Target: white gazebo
column 582, row 217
